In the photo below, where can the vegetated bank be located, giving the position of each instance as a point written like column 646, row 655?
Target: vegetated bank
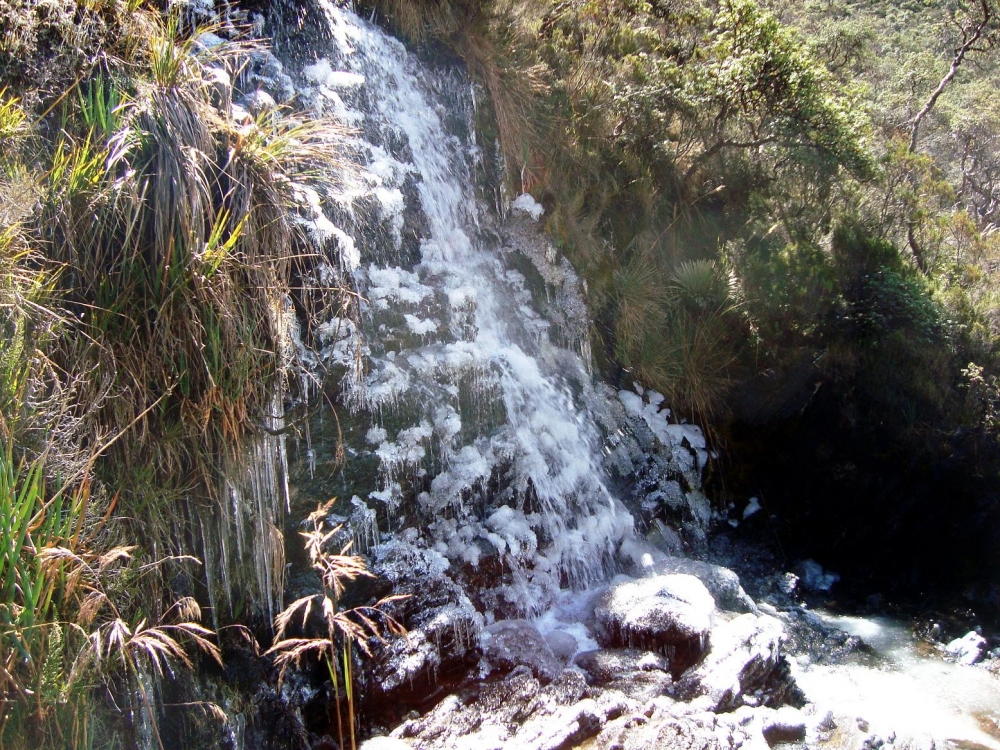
column 156, row 238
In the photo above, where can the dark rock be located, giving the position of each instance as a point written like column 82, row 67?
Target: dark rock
column 813, row 578
column 443, row 640
column 511, row 643
column 609, row 664
column 517, row 712
column 745, row 661
column 669, row 614
column 786, row 725
column 638, row 674
column 820, row 643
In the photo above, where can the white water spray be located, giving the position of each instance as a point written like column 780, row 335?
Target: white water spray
column 462, row 380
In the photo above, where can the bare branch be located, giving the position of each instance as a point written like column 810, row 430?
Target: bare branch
column 972, row 33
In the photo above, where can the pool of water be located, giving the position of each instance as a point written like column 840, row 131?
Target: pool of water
column 906, row 688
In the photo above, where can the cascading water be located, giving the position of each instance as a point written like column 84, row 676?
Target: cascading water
column 462, row 384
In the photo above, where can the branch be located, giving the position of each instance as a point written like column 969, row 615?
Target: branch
column 968, row 44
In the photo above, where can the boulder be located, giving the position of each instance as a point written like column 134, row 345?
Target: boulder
column 563, row 644
column 640, row 675
column 669, row 614
column 813, row 578
column 516, row 712
column 511, row 643
column 722, row 583
column 745, row 666
column 968, row 649
column 787, row 724
column 442, row 645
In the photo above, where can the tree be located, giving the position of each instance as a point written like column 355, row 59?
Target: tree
column 978, row 29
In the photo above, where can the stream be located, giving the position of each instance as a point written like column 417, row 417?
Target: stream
column 906, row 687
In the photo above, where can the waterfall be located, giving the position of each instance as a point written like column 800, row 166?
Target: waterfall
column 475, row 416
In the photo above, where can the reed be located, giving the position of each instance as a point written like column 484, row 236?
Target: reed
column 341, row 629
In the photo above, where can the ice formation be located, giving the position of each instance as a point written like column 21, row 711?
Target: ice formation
column 460, row 380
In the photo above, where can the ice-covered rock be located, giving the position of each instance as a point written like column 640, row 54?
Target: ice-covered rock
column 444, row 629
column 669, row 614
column 639, row 674
column 744, row 666
column 512, row 643
column 563, row 644
column 968, row 649
column 813, row 578
column 722, row 583
column 658, row 726
column 516, row 712
column 528, row 205
column 752, row 506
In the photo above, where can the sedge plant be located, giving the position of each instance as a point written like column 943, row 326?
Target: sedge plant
column 341, row 628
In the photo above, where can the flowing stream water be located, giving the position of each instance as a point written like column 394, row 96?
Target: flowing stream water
column 906, row 689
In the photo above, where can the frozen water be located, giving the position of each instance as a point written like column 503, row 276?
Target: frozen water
column 457, row 359
column 524, row 202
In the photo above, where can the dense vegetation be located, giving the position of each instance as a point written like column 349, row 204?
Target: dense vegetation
column 785, row 214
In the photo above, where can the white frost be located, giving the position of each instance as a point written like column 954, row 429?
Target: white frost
column 526, row 204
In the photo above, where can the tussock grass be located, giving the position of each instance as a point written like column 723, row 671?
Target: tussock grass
column 148, row 256
column 61, row 632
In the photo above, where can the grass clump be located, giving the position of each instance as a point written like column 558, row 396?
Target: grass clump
column 341, row 629
column 150, row 256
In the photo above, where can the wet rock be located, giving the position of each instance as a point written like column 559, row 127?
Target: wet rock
column 822, row 726
column 968, row 649
column 511, row 643
column 722, row 583
column 810, row 639
column 787, row 724
column 267, row 72
column 669, row 614
column 608, row 664
column 208, row 41
column 563, row 644
column 517, row 712
column 813, row 578
column 761, row 728
column 640, row 675
column 659, row 726
column 744, row 667
column 443, row 640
